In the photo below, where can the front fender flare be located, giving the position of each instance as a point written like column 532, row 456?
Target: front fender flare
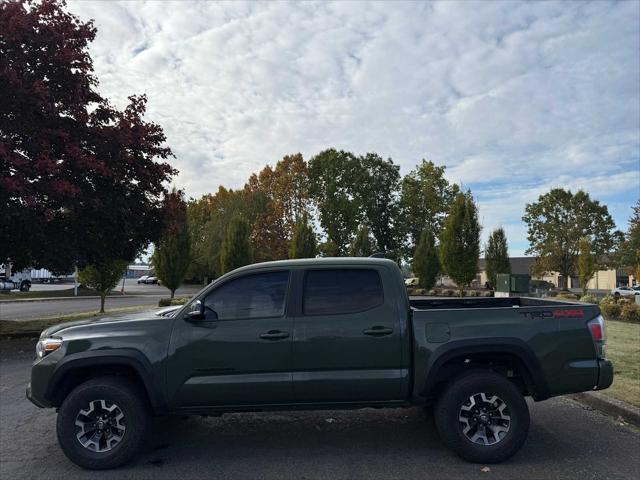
column 114, row 357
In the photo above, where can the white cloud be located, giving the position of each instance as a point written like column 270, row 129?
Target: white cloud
column 512, row 97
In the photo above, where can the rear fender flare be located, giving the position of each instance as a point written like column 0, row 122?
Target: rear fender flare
column 512, row 346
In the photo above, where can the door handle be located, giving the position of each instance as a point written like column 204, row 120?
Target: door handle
column 378, row 331
column 274, row 335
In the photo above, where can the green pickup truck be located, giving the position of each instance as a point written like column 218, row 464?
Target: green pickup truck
column 334, row 333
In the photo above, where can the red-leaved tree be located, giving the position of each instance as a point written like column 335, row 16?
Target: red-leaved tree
column 80, row 181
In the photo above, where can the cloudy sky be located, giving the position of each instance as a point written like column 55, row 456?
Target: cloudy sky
column 514, row 98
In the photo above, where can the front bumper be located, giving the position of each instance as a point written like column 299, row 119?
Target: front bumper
column 30, row 397
column 605, row 375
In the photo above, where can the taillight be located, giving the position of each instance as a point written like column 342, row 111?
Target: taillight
column 599, row 335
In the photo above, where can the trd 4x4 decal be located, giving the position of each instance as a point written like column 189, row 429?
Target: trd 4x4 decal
column 573, row 313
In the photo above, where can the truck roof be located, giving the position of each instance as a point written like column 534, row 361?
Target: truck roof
column 311, row 262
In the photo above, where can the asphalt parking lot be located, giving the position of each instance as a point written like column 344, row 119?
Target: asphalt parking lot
column 566, row 440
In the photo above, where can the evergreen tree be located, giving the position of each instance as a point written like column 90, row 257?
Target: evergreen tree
column 172, row 256
column 362, row 245
column 236, row 249
column 497, row 255
column 426, row 264
column 587, row 263
column 460, row 241
column 303, row 243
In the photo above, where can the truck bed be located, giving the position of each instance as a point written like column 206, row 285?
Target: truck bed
column 483, row 302
column 551, row 335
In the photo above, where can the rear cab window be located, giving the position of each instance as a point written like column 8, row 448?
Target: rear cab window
column 341, row 291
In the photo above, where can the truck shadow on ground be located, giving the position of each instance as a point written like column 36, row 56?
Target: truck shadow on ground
column 322, row 437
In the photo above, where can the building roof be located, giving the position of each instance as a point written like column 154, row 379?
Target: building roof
column 519, row 265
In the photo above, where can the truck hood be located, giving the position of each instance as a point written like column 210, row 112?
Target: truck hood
column 107, row 325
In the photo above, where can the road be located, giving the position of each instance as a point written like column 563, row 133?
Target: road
column 131, row 288
column 566, row 441
column 137, row 295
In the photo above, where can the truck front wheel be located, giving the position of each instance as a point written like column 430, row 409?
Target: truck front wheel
column 102, row 423
column 482, row 417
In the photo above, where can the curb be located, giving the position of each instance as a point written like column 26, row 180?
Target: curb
column 610, row 406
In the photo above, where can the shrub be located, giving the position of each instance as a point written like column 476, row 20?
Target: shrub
column 589, row 299
column 611, row 310
column 448, row 293
column 630, row 313
column 168, row 302
column 488, row 293
column 474, row 293
column 432, row 293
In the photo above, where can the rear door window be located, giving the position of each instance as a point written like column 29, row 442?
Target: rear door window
column 341, row 291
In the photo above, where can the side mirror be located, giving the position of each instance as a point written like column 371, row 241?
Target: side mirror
column 196, row 313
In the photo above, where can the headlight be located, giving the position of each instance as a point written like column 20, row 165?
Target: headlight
column 46, row 346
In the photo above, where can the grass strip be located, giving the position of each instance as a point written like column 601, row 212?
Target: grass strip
column 623, row 348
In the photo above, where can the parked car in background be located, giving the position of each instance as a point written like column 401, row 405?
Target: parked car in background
column 143, row 279
column 151, row 280
column 625, row 291
column 9, row 280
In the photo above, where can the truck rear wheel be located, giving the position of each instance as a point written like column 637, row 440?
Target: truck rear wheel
column 482, row 417
column 102, row 423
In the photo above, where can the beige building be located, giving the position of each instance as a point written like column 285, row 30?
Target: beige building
column 602, row 280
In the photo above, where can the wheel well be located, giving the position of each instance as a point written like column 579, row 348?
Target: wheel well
column 507, row 364
column 80, row 375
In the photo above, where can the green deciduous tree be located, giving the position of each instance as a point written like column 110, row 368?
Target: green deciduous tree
column 102, row 277
column 460, row 241
column 376, row 191
column 303, row 244
column 425, row 200
column 497, row 255
column 172, row 256
column 209, row 219
column 236, row 247
column 362, row 245
column 332, row 175
column 557, row 222
column 426, row 264
column 587, row 263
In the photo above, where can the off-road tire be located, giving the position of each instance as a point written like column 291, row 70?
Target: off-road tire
column 129, row 398
column 447, row 417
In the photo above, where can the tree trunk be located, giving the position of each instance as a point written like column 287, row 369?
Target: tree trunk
column 173, row 292
column 102, row 299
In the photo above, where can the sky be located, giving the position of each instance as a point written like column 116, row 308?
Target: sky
column 513, row 98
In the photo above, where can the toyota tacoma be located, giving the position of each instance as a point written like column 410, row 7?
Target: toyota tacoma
column 333, row 333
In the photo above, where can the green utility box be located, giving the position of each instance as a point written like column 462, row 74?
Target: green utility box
column 512, row 283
